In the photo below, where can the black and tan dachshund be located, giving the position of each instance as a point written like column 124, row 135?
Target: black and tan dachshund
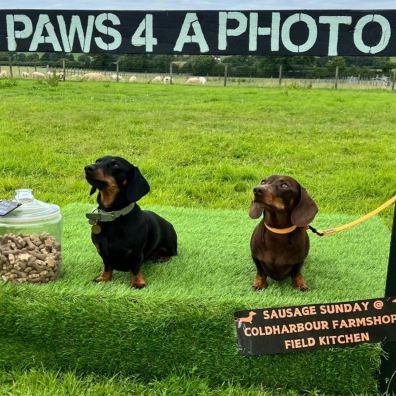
column 280, row 243
column 124, row 235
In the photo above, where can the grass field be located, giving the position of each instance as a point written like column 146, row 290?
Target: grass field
column 198, row 146
column 183, row 322
column 52, row 383
column 205, row 148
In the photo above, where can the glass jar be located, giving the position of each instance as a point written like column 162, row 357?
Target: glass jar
column 30, row 241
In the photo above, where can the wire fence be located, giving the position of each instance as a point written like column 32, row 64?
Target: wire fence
column 270, row 78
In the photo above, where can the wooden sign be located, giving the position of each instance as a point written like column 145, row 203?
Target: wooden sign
column 277, row 33
column 300, row 328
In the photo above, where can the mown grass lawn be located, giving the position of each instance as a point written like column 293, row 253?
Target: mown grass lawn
column 199, row 147
column 52, row 383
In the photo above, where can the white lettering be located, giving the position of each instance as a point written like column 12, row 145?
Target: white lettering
column 385, row 36
column 191, row 21
column 109, row 31
column 312, row 32
column 334, row 26
column 224, row 32
column 76, row 27
column 13, row 34
column 38, row 37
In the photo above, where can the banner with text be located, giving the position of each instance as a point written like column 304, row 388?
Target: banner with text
column 277, row 33
column 291, row 329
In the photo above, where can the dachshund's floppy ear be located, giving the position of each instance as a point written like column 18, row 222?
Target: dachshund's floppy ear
column 93, row 189
column 256, row 210
column 305, row 211
column 137, row 185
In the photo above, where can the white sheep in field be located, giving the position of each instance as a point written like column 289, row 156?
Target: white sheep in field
column 25, row 75
column 3, row 74
column 114, row 77
column 93, row 77
column 76, row 77
column 50, row 74
column 167, row 80
column 132, row 79
column 38, row 76
column 193, row 80
column 157, row 79
column 196, row 80
column 59, row 75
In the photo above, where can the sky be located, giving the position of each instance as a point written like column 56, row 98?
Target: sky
column 197, row 5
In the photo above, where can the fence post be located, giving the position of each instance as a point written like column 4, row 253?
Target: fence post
column 171, row 73
column 10, row 64
column 336, row 77
column 387, row 381
column 117, row 63
column 64, row 69
column 225, row 74
column 393, row 79
column 280, row 74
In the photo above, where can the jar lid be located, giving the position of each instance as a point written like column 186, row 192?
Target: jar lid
column 31, row 210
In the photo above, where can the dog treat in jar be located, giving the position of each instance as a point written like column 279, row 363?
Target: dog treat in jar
column 30, row 241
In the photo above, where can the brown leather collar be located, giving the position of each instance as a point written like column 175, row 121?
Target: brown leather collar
column 281, row 230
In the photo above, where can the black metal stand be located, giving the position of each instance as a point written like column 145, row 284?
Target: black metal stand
column 387, row 382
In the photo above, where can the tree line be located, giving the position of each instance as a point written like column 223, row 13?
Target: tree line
column 205, row 65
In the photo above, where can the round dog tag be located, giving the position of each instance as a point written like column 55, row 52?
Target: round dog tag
column 96, row 229
column 92, row 222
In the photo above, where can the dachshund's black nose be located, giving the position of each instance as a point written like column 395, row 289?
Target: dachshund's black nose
column 258, row 190
column 89, row 168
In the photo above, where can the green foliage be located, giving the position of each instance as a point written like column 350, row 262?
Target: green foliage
column 84, row 60
column 52, row 80
column 203, row 65
column 238, row 66
column 52, row 383
column 8, row 83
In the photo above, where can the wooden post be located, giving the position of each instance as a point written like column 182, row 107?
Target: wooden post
column 118, row 70
column 225, row 74
column 336, row 77
column 393, row 79
column 387, row 381
column 10, row 64
column 280, row 74
column 171, row 72
column 64, row 69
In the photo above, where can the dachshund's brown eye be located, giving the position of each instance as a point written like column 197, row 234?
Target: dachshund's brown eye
column 263, row 181
column 284, row 185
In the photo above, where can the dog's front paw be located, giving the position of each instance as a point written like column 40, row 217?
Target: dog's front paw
column 260, row 283
column 138, row 285
column 137, row 281
column 303, row 288
column 299, row 283
column 103, row 277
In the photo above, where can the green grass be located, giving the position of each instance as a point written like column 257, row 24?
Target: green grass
column 52, row 383
column 199, row 147
column 183, row 322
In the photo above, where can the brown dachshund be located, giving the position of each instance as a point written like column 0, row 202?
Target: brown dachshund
column 280, row 243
